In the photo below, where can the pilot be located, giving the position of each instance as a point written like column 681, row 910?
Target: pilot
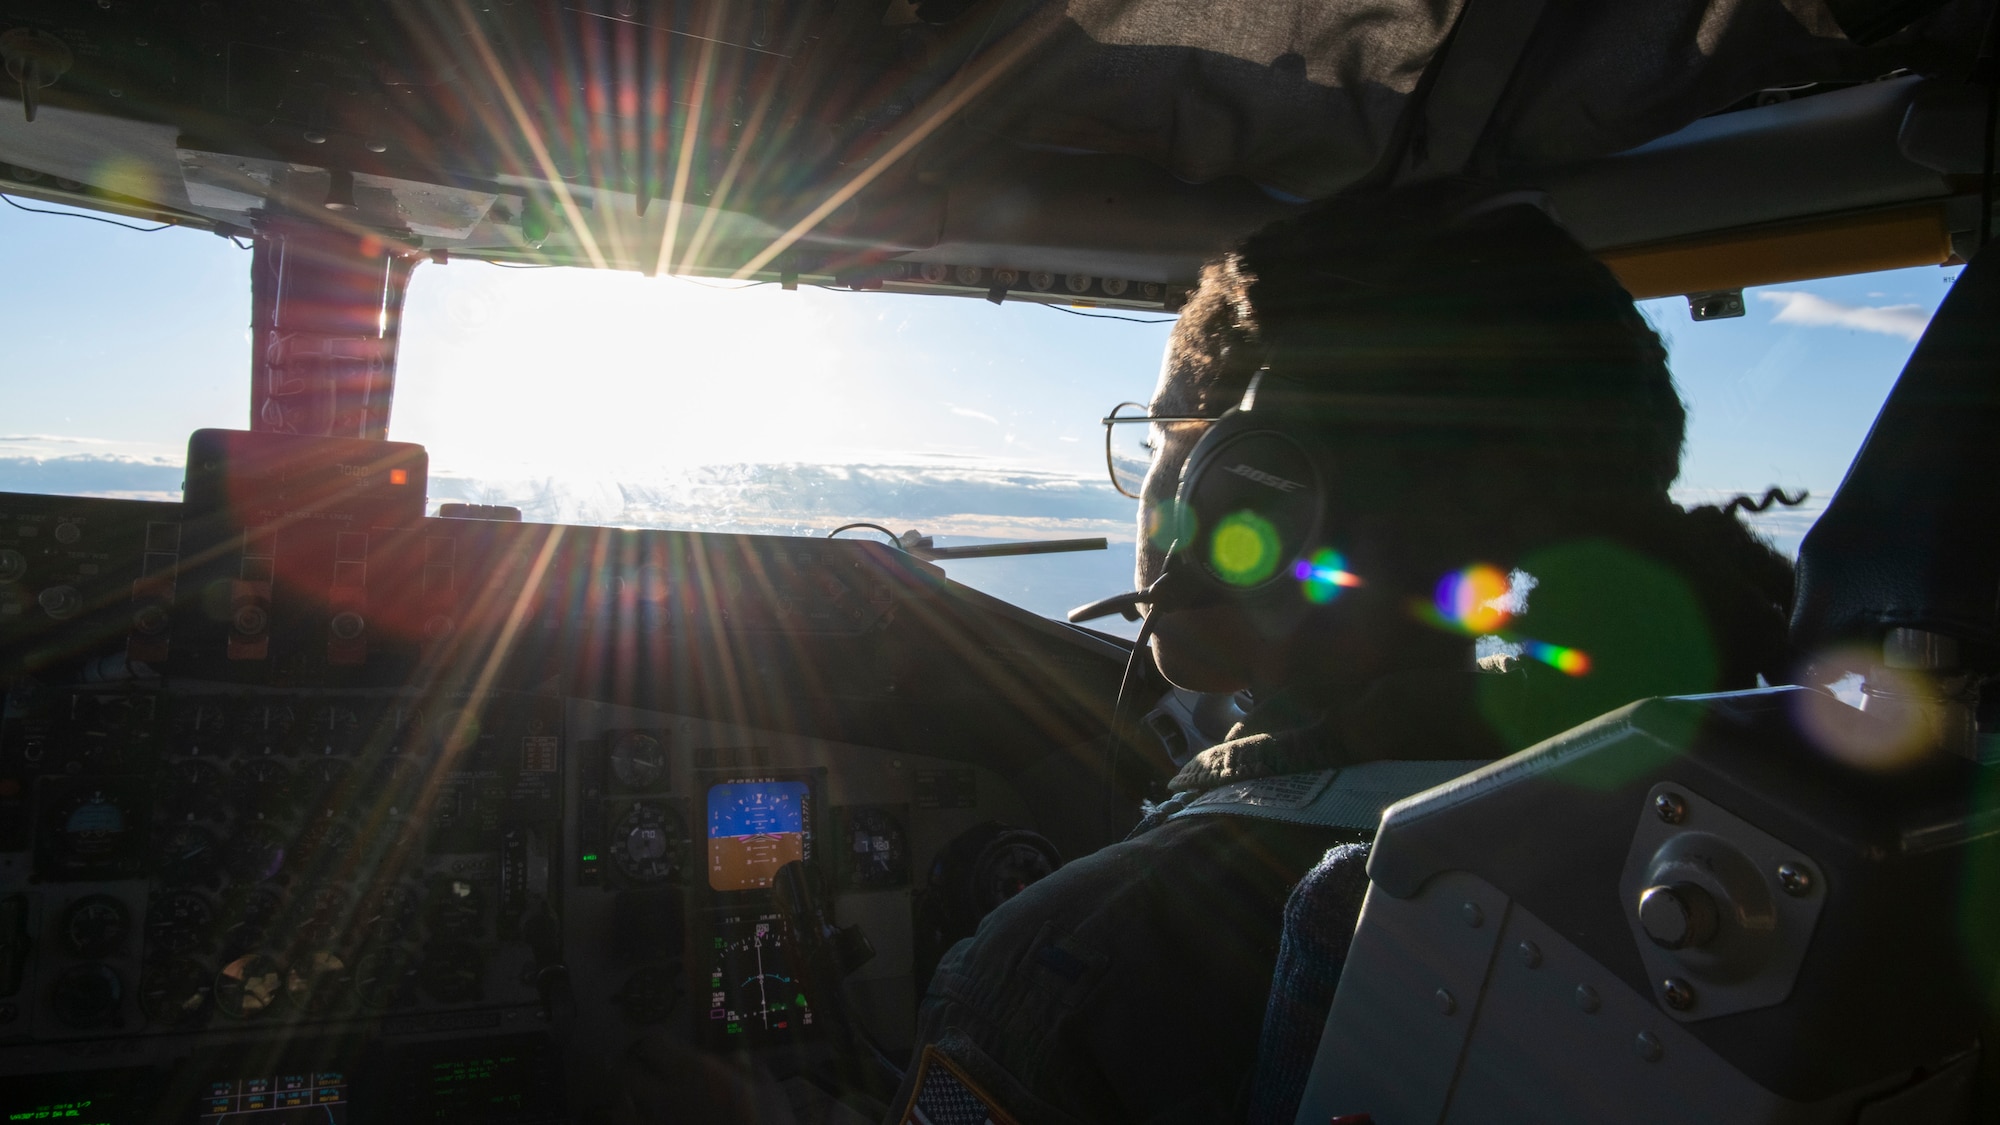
column 1516, row 433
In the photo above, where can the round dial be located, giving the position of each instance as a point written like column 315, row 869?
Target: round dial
column 325, row 849
column 264, row 788
column 87, row 995
column 177, row 923
column 649, row 843
column 331, row 728
column 878, row 851
column 386, row 914
column 264, row 728
column 250, row 986
column 455, row 730
column 176, row 992
column 97, row 830
column 638, row 760
column 450, row 972
column 196, row 723
column 195, row 790
column 326, row 785
column 187, row 854
column 454, row 909
column 385, row 978
column 327, row 911
column 252, row 918
column 254, row 854
column 317, row 982
column 95, row 926
column 393, row 790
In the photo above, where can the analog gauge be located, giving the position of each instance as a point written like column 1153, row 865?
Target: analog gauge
column 455, row 730
column 324, row 785
column 250, row 986
column 252, row 919
column 102, row 751
column 196, row 723
column 176, row 992
column 877, row 854
column 264, row 728
column 255, row 853
column 392, row 791
column 327, row 912
column 454, row 909
column 450, row 973
column 177, row 923
column 263, row 787
column 317, row 982
column 195, row 790
column 87, row 995
column 187, row 854
column 638, row 760
column 386, row 978
column 386, row 914
column 649, row 843
column 331, row 728
column 94, row 926
column 326, row 849
column 96, row 831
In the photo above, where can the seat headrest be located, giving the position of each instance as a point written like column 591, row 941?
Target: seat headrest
column 1912, row 537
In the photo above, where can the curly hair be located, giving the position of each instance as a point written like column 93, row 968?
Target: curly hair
column 1537, row 402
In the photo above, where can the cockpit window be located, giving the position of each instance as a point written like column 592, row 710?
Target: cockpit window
column 596, row 397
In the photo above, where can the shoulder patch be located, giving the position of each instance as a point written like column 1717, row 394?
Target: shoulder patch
column 945, row 1095
column 1293, row 791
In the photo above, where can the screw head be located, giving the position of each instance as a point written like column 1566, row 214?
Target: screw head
column 1678, row 994
column 1587, row 1000
column 1677, row 916
column 1445, row 1001
column 1531, row 954
column 1671, row 807
column 1797, row 881
column 377, row 146
column 313, row 137
column 1473, row 916
column 1648, row 1046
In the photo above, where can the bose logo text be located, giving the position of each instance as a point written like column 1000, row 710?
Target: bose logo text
column 1264, row 478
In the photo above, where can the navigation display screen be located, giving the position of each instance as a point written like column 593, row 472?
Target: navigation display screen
column 754, row 828
column 319, row 1097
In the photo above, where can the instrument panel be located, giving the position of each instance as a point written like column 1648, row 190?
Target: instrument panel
column 468, row 866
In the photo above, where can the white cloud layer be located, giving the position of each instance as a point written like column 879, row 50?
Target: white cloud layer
column 1813, row 310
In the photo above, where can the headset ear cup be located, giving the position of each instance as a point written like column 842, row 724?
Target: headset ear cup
column 1251, row 503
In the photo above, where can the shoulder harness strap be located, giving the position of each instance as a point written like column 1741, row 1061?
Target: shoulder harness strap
column 1351, row 797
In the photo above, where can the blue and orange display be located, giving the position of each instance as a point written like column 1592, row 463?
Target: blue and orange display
column 754, row 828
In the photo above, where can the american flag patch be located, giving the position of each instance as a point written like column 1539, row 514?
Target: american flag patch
column 945, row 1096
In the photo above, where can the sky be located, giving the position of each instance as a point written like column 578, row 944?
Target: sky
column 599, row 397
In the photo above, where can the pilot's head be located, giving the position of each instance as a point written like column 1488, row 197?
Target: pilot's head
column 1523, row 400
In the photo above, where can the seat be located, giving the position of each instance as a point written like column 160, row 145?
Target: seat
column 1754, row 907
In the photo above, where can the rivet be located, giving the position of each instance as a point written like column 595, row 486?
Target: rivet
column 1671, row 807
column 1797, row 881
column 1473, row 916
column 1678, row 994
column 1647, row 1046
column 1587, row 1000
column 377, row 146
column 1531, row 954
column 1445, row 1001
column 314, row 137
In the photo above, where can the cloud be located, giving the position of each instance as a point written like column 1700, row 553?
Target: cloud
column 968, row 412
column 1810, row 309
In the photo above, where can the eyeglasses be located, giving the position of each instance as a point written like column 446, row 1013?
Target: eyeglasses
column 1129, row 449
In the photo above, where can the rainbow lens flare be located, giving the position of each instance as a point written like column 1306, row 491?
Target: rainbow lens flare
column 1324, row 576
column 1473, row 599
column 1244, row 549
column 1568, row 661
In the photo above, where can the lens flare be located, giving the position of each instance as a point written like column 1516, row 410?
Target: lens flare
column 1474, row 599
column 1568, row 661
column 1324, row 576
column 1244, row 549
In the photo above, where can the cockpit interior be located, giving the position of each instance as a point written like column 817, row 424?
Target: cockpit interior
column 321, row 801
